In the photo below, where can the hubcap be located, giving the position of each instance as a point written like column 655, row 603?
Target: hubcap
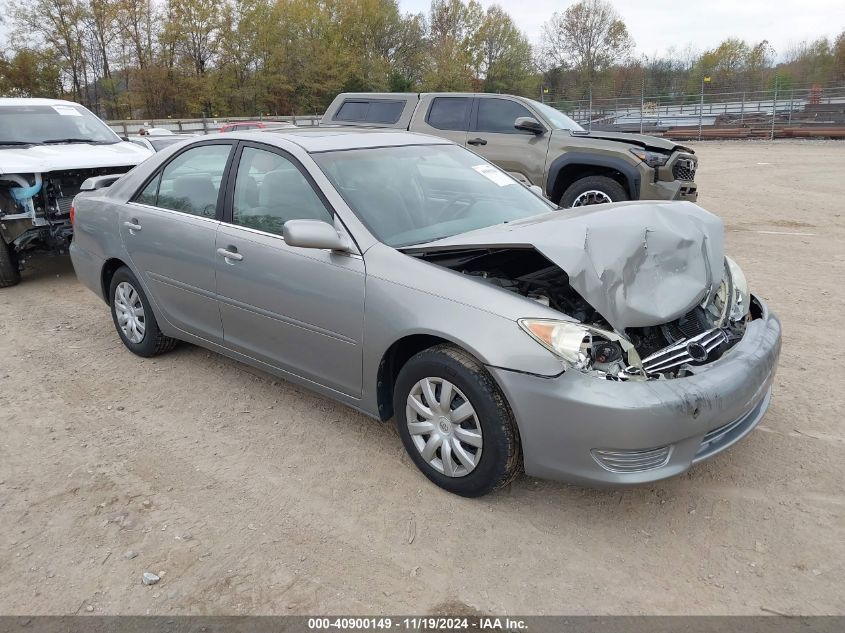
column 130, row 312
column 593, row 196
column 444, row 427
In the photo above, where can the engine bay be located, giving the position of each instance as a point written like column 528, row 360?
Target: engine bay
column 668, row 350
column 35, row 208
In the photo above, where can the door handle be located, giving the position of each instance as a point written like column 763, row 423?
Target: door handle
column 477, row 141
column 133, row 226
column 230, row 255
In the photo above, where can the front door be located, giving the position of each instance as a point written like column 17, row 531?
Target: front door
column 492, row 135
column 169, row 231
column 298, row 309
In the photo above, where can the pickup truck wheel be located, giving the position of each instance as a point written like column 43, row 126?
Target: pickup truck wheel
column 593, row 190
column 133, row 316
column 455, row 422
column 9, row 273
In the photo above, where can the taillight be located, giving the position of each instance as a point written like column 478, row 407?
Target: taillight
column 72, row 214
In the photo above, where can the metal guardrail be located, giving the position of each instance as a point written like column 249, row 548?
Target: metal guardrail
column 131, row 127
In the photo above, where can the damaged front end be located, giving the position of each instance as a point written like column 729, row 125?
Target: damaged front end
column 585, row 340
column 35, row 208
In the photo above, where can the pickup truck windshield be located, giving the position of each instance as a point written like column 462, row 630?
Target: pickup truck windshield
column 57, row 124
column 558, row 119
column 420, row 193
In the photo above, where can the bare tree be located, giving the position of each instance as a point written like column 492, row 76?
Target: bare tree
column 589, row 36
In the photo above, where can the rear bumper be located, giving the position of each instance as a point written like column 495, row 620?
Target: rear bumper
column 582, row 429
column 88, row 268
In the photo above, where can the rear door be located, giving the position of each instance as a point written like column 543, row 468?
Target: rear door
column 446, row 117
column 298, row 309
column 169, row 230
column 493, row 136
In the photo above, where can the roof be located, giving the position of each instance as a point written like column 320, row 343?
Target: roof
column 11, row 101
column 327, row 139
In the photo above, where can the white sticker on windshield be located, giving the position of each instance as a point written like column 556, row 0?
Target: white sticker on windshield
column 65, row 110
column 494, row 175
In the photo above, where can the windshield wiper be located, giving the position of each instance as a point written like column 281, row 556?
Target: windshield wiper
column 18, row 142
column 57, row 141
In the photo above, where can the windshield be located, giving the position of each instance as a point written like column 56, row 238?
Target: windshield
column 420, row 193
column 59, row 123
column 558, row 119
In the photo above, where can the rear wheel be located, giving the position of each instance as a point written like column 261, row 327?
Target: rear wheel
column 593, row 190
column 9, row 273
column 455, row 423
column 133, row 316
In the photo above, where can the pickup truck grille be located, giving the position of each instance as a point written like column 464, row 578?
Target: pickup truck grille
column 694, row 350
column 684, row 169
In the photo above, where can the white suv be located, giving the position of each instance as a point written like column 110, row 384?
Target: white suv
column 47, row 149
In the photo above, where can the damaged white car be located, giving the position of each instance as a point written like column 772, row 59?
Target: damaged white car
column 47, row 149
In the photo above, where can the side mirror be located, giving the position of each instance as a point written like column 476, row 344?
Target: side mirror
column 99, row 182
column 529, row 124
column 314, row 234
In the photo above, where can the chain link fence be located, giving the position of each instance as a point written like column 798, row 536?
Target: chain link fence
column 806, row 112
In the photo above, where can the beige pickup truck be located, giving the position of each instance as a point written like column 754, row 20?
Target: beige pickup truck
column 535, row 143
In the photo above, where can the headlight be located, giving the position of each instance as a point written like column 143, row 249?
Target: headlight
column 739, row 300
column 652, row 159
column 584, row 347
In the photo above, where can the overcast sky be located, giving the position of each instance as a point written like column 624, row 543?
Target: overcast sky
column 657, row 25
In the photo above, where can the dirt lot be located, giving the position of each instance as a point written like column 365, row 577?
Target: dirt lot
column 250, row 495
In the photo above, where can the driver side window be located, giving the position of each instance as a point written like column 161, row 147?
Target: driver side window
column 498, row 116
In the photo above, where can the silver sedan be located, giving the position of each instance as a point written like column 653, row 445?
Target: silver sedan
column 408, row 278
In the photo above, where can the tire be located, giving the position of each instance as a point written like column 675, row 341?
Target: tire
column 602, row 185
column 500, row 459
column 9, row 273
column 151, row 341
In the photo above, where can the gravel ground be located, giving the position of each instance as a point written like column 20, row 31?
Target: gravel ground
column 246, row 494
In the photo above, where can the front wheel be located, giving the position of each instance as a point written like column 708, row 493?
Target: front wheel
column 593, row 190
column 455, row 423
column 9, row 273
column 133, row 316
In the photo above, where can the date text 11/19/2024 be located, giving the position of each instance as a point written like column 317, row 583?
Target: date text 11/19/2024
column 420, row 623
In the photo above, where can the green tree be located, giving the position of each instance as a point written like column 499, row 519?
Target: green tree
column 590, row 36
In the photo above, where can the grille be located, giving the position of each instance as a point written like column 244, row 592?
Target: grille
column 64, row 205
column 684, row 169
column 692, row 350
column 617, row 461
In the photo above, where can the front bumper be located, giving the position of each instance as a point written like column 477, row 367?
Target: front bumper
column 672, row 181
column 651, row 430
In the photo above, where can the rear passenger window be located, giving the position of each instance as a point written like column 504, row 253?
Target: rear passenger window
column 449, row 113
column 370, row 111
column 499, row 115
column 270, row 190
column 191, row 182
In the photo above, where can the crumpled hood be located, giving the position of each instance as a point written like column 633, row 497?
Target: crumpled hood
column 637, row 263
column 637, row 140
column 45, row 158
